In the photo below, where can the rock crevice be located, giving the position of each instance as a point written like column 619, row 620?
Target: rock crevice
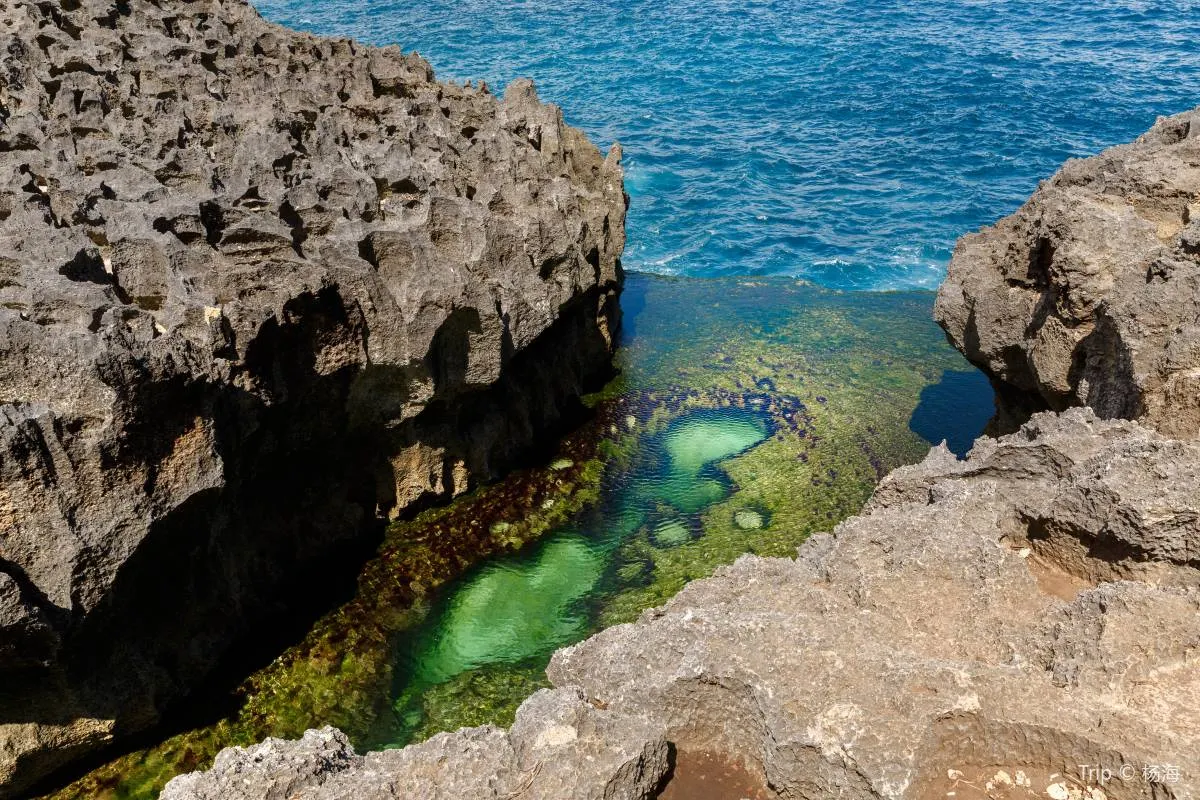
column 258, row 291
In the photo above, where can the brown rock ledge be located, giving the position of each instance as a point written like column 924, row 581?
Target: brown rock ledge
column 1088, row 294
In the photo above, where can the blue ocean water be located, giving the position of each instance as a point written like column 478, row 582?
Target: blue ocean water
column 847, row 143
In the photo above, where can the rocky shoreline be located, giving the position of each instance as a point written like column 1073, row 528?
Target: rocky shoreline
column 698, row 357
column 1019, row 624
column 1086, row 296
column 246, row 268
column 904, row 649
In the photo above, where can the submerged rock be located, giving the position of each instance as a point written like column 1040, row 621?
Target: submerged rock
column 671, row 532
column 257, row 290
column 1087, row 295
column 509, row 612
column 748, row 519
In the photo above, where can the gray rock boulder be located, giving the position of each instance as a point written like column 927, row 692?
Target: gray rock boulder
column 1087, row 295
column 561, row 748
column 258, row 290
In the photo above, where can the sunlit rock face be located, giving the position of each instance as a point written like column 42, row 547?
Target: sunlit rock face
column 257, row 290
column 1087, row 295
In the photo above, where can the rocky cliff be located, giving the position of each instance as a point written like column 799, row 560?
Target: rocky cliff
column 1088, row 295
column 1022, row 624
column 257, row 290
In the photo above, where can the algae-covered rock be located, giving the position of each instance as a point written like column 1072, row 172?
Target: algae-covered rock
column 748, row 519
column 670, row 533
column 508, row 612
column 704, row 438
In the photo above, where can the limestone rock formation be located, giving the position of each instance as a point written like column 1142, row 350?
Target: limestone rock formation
column 257, row 289
column 1026, row 615
column 1021, row 624
column 1088, row 294
column 561, row 748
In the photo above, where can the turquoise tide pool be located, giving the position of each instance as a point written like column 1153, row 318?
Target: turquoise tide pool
column 512, row 613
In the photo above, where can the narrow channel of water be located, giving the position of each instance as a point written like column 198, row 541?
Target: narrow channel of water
column 748, row 415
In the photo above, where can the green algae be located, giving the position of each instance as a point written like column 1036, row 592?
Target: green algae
column 342, row 671
column 511, row 611
column 671, row 532
column 645, row 499
column 475, row 697
column 748, row 519
column 520, row 609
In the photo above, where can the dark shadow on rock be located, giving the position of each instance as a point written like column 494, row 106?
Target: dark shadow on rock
column 232, row 577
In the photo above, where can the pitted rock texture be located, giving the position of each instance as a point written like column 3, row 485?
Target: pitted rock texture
column 257, row 289
column 1021, row 615
column 1087, row 295
column 561, row 748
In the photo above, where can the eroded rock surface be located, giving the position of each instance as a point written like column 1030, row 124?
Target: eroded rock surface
column 1022, row 624
column 1088, row 294
column 561, row 748
column 1019, row 615
column 256, row 288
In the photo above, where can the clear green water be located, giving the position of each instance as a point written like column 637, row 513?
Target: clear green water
column 748, row 414
column 519, row 609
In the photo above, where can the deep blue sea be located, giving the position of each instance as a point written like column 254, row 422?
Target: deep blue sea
column 847, row 143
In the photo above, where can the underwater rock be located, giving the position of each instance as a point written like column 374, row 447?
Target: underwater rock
column 509, row 611
column 748, row 519
column 1024, row 612
column 671, row 533
column 1087, row 295
column 704, row 438
column 695, row 443
column 258, row 291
